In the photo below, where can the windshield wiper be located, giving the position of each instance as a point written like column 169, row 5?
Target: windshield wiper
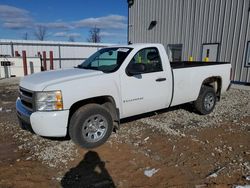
column 89, row 68
column 81, row 67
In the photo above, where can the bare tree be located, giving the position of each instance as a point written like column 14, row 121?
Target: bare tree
column 25, row 36
column 40, row 32
column 71, row 38
column 94, row 35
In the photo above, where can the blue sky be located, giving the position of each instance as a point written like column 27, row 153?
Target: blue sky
column 64, row 19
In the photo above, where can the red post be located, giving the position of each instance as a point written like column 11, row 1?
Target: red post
column 25, row 69
column 44, row 61
column 51, row 60
column 17, row 54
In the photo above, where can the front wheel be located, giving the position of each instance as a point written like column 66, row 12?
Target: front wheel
column 90, row 126
column 206, row 100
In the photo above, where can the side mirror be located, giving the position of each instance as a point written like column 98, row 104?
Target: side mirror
column 77, row 66
column 135, row 69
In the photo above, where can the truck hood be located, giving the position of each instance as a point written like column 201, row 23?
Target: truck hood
column 38, row 81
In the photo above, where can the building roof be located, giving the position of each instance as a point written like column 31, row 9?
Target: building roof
column 37, row 42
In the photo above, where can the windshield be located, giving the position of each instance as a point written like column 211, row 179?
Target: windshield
column 106, row 59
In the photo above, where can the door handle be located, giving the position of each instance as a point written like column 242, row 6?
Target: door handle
column 160, row 79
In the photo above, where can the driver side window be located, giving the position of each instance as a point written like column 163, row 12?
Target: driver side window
column 149, row 58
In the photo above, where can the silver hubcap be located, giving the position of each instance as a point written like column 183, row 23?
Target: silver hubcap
column 94, row 128
column 209, row 102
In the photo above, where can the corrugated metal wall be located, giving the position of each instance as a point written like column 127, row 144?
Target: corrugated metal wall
column 66, row 54
column 193, row 23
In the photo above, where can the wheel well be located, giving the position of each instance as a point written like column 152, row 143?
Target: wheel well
column 106, row 101
column 214, row 82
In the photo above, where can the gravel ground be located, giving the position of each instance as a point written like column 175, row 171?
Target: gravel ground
column 230, row 108
column 234, row 105
column 54, row 153
column 178, row 120
column 171, row 125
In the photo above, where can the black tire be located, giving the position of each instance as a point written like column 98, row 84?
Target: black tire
column 206, row 100
column 90, row 126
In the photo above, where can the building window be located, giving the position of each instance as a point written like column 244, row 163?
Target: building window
column 248, row 55
column 175, row 52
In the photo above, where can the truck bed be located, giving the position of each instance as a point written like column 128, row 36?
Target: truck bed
column 188, row 64
column 188, row 78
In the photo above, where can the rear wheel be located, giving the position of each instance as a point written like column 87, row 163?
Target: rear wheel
column 206, row 100
column 90, row 126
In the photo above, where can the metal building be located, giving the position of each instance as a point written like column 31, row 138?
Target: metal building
column 65, row 54
column 212, row 30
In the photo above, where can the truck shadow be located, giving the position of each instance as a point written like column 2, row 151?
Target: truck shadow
column 187, row 107
column 90, row 172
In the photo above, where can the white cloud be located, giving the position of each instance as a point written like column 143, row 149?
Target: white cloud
column 106, row 22
column 60, row 34
column 57, row 25
column 15, row 18
column 67, row 35
column 15, row 25
column 10, row 11
column 76, row 35
column 110, row 34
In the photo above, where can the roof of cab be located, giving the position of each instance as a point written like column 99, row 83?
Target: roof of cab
column 138, row 45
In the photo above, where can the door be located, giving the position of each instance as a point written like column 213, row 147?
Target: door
column 248, row 55
column 147, row 90
column 210, row 52
column 175, row 52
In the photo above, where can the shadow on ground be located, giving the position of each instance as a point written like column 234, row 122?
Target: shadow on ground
column 90, row 172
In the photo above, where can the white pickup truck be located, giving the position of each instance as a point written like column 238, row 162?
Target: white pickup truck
column 88, row 101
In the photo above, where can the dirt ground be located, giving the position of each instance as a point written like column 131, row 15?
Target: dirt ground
column 217, row 155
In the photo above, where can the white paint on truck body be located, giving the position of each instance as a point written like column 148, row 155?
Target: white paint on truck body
column 155, row 95
column 133, row 95
column 188, row 81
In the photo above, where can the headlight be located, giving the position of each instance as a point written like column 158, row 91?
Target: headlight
column 49, row 101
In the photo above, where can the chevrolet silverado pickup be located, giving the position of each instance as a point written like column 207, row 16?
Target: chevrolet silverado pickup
column 88, row 101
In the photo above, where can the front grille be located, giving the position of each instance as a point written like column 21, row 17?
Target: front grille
column 26, row 97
